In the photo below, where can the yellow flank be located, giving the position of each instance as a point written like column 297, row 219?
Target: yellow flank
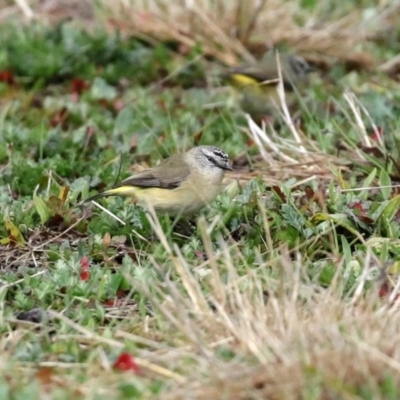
column 242, row 81
column 128, row 191
column 185, row 199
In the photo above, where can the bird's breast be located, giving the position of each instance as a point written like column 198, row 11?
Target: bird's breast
column 200, row 189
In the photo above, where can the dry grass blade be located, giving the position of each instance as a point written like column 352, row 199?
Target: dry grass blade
column 108, row 212
column 285, row 158
column 351, row 100
column 285, row 110
column 273, row 321
column 26, row 9
column 260, row 136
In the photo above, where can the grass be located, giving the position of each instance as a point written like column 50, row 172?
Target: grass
column 288, row 285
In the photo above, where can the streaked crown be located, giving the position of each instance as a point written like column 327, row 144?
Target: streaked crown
column 212, row 156
column 299, row 66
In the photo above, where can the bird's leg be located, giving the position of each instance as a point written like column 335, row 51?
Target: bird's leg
column 182, row 226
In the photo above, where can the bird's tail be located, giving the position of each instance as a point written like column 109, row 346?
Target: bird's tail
column 125, row 191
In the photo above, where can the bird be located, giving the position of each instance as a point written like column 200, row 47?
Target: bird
column 180, row 185
column 257, row 82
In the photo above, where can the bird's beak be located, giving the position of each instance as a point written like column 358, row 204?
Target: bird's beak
column 226, row 167
column 311, row 69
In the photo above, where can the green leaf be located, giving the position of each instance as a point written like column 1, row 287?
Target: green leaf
column 293, row 217
column 308, row 4
column 346, row 250
column 42, row 209
column 124, row 121
column 102, row 90
column 385, row 215
column 391, row 208
column 288, row 235
column 384, row 180
column 367, row 183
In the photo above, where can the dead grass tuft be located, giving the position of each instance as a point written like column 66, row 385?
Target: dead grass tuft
column 228, row 30
column 269, row 330
column 271, row 333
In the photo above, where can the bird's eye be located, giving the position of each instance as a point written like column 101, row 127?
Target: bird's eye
column 211, row 159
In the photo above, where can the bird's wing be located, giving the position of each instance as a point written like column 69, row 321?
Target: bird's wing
column 256, row 72
column 264, row 72
column 267, row 69
column 169, row 174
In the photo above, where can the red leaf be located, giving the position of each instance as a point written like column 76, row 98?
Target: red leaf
column 250, row 143
column 119, row 299
column 45, row 375
column 85, row 274
column 78, row 86
column 360, row 212
column 7, row 77
column 114, row 302
column 110, row 302
column 384, row 290
column 279, row 192
column 377, row 135
column 126, row 362
column 365, row 219
column 358, row 207
column 85, row 262
column 309, row 192
column 121, row 294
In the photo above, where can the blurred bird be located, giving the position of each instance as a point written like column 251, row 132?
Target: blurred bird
column 257, row 82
